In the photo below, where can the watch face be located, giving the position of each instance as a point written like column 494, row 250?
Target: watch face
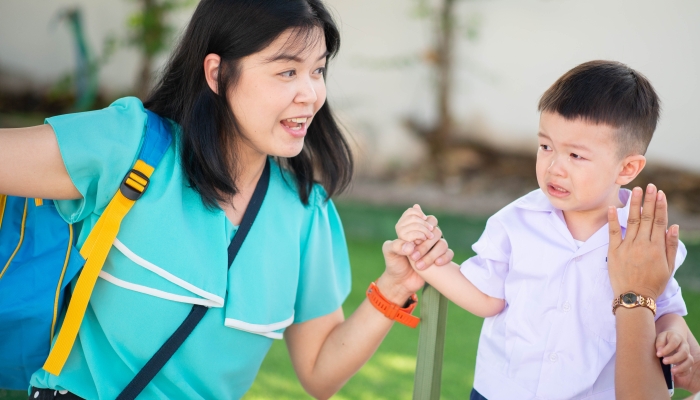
column 629, row 298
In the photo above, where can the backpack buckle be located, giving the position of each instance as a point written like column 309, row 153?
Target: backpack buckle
column 134, row 185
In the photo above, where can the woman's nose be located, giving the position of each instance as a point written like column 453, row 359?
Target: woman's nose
column 306, row 92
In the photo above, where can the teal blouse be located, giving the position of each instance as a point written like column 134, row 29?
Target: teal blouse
column 171, row 252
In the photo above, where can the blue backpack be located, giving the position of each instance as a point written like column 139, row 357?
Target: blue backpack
column 38, row 261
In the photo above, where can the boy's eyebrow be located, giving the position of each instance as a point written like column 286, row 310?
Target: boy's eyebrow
column 294, row 57
column 571, row 145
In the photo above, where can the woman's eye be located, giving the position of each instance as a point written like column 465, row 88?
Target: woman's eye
column 321, row 70
column 289, row 73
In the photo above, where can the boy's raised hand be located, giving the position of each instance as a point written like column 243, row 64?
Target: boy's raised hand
column 673, row 347
column 416, row 232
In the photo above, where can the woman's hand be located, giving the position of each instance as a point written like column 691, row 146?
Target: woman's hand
column 644, row 260
column 399, row 281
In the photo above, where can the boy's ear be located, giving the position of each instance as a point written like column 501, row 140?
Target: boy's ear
column 631, row 167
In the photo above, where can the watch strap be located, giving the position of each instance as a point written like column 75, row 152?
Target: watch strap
column 641, row 301
column 391, row 310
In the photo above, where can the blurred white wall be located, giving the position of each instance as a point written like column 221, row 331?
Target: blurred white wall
column 379, row 79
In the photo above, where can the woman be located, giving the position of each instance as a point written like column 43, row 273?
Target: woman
column 643, row 262
column 243, row 88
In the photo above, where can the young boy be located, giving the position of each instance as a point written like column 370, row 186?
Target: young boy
column 540, row 275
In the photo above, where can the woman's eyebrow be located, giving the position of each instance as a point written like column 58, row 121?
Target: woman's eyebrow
column 294, row 57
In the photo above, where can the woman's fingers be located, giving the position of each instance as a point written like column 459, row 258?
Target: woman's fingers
column 634, row 215
column 647, row 218
column 445, row 258
column 672, row 247
column 658, row 230
column 437, row 251
column 614, row 228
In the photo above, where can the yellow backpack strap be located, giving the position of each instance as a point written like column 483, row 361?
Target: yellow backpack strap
column 95, row 250
column 3, row 201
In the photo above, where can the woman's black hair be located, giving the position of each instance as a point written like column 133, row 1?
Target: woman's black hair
column 234, row 29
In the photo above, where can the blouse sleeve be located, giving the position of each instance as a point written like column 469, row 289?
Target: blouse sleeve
column 98, row 148
column 324, row 276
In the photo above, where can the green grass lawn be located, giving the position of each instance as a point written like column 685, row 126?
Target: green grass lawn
column 389, row 374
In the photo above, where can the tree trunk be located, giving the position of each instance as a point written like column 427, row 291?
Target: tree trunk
column 438, row 137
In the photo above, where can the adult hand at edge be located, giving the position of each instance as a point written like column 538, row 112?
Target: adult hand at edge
column 644, row 260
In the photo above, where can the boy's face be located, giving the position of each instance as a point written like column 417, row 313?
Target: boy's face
column 577, row 163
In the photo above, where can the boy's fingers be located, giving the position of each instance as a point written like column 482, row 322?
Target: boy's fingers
column 432, row 220
column 658, row 231
column 405, row 230
column 672, row 343
column 635, row 214
column 411, row 236
column 660, row 343
column 678, row 357
column 424, row 247
column 647, row 218
column 672, row 247
column 413, row 219
column 614, row 228
column 417, row 208
column 437, row 251
column 683, row 368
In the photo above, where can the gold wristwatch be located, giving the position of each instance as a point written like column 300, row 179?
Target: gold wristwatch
column 632, row 300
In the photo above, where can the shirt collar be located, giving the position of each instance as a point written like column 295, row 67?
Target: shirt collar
column 537, row 201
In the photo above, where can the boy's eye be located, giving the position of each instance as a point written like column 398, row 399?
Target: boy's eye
column 576, row 156
column 289, row 74
column 544, row 147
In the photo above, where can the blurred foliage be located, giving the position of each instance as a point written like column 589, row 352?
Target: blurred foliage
column 150, row 32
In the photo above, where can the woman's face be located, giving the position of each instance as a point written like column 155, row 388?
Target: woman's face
column 278, row 92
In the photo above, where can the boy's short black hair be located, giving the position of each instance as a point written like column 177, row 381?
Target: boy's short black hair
column 610, row 93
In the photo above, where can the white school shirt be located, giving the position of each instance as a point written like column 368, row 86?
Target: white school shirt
column 555, row 339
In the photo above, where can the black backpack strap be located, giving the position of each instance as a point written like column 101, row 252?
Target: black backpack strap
column 156, row 363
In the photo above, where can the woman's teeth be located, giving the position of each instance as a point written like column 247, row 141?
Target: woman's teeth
column 294, row 123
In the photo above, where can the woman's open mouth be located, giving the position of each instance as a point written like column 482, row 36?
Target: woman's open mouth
column 295, row 126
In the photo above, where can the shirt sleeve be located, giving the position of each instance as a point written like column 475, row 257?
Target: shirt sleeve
column 98, row 149
column 324, row 277
column 671, row 300
column 488, row 269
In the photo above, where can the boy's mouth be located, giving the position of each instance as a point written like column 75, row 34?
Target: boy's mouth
column 557, row 191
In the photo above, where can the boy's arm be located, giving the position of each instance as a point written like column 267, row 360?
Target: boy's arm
column 449, row 281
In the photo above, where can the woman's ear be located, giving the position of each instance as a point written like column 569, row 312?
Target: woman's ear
column 211, row 71
column 631, row 167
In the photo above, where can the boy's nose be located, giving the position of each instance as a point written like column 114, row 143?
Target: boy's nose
column 557, row 168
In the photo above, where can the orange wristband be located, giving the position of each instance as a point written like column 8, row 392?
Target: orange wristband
column 393, row 311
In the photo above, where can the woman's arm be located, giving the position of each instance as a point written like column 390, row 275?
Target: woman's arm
column 328, row 350
column 31, row 164
column 643, row 263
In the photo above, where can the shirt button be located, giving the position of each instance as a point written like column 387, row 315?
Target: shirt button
column 553, row 357
column 566, row 307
